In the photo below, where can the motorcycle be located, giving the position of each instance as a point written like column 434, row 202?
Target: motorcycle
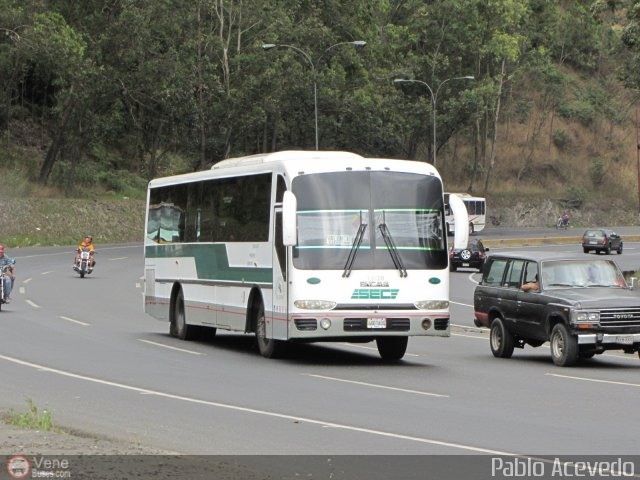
column 563, row 223
column 84, row 262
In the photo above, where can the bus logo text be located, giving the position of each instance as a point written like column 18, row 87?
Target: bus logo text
column 375, row 294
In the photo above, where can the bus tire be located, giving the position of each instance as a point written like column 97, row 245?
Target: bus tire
column 392, row 348
column 268, row 347
column 179, row 327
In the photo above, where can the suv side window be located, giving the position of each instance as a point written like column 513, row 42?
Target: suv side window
column 531, row 272
column 514, row 274
column 493, row 274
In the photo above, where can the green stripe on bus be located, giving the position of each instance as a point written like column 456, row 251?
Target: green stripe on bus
column 211, row 261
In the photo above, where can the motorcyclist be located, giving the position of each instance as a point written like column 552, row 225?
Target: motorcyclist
column 8, row 278
column 87, row 242
column 563, row 221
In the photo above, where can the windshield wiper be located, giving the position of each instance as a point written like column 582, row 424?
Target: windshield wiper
column 393, row 250
column 357, row 241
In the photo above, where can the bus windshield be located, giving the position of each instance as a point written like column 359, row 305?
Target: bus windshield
column 333, row 207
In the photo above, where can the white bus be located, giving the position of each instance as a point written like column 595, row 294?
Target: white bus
column 300, row 246
column 476, row 209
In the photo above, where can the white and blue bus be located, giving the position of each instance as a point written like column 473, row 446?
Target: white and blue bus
column 300, row 246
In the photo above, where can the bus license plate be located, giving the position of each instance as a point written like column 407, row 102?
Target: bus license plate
column 625, row 339
column 376, row 323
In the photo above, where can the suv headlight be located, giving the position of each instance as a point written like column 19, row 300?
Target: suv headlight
column 315, row 304
column 583, row 317
column 432, row 305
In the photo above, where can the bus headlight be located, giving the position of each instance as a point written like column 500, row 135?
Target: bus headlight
column 315, row 304
column 432, row 305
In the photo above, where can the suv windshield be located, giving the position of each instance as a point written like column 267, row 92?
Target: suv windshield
column 579, row 273
column 333, row 206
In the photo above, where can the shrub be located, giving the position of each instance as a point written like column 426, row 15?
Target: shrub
column 561, row 139
column 597, row 171
column 579, row 110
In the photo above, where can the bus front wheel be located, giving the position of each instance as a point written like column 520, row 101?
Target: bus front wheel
column 268, row 347
column 392, row 348
column 179, row 327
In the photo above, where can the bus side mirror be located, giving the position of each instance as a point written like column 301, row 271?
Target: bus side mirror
column 289, row 219
column 461, row 222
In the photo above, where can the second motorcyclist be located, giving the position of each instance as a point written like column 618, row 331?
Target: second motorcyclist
column 8, row 266
column 87, row 242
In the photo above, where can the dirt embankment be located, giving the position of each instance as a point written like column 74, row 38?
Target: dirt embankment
column 544, row 213
column 45, row 222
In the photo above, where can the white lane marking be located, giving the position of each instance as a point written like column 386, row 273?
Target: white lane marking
column 375, row 349
column 594, row 380
column 375, row 385
column 22, row 290
column 468, row 336
column 34, row 305
column 119, row 258
column 47, row 273
column 138, row 285
column 170, row 347
column 56, row 254
column 463, row 304
column 610, row 354
column 27, row 280
column 471, row 279
column 74, row 321
column 237, row 408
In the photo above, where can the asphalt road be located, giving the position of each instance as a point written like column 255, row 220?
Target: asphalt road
column 84, row 350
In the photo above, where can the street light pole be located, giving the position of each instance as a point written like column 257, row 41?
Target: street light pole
column 307, row 57
column 434, row 101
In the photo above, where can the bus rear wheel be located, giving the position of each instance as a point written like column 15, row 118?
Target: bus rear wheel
column 392, row 348
column 268, row 347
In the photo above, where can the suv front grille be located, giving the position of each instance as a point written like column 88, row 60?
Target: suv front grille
column 620, row 317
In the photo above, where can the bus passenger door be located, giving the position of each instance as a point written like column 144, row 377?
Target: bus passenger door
column 279, row 319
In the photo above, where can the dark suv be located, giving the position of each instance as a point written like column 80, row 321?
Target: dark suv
column 601, row 240
column 471, row 257
column 581, row 305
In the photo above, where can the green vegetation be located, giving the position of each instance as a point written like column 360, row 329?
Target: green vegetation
column 33, row 419
column 97, row 98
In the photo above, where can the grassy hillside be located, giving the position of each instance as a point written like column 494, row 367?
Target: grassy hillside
column 63, row 221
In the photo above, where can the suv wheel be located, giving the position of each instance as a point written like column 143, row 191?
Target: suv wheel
column 465, row 255
column 619, row 249
column 564, row 346
column 500, row 339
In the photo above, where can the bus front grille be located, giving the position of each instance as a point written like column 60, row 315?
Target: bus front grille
column 440, row 323
column 306, row 324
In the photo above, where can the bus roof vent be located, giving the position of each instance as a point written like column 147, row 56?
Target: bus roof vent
column 301, row 155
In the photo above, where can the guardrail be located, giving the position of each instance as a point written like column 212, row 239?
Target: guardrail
column 524, row 242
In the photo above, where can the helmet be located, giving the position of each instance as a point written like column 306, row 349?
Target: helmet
column 89, row 237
